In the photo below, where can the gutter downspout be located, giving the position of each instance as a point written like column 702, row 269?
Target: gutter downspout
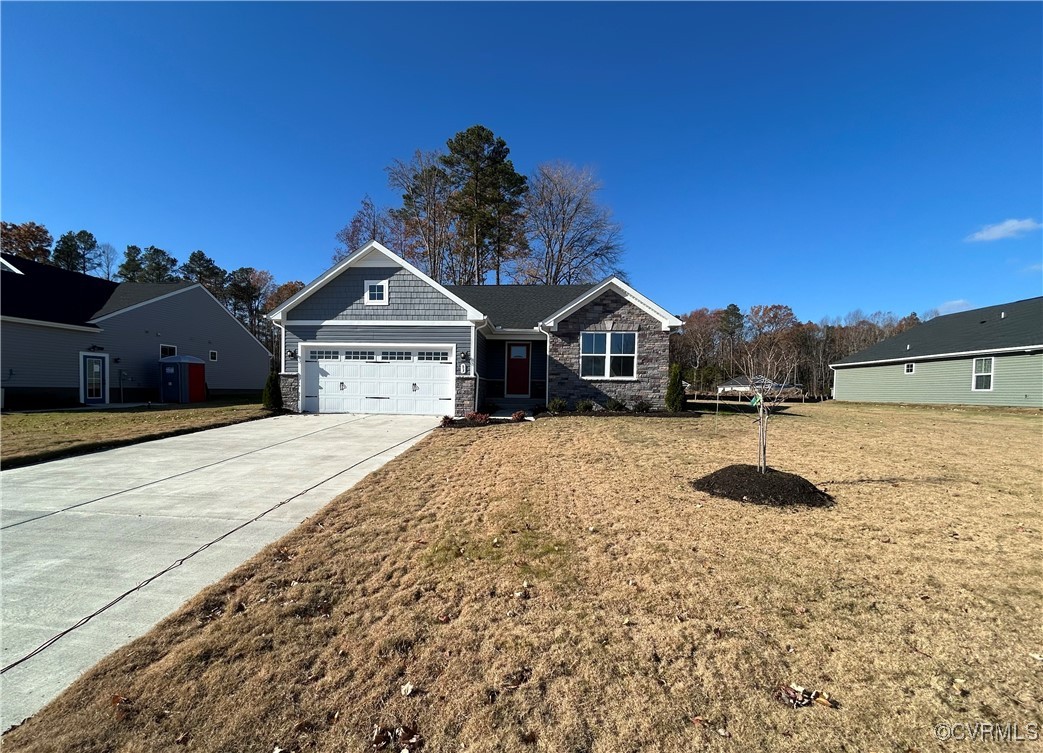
column 546, row 388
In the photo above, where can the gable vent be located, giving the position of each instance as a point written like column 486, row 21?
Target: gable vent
column 1003, row 315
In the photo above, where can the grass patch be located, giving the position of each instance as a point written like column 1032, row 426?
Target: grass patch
column 27, row 438
column 617, row 604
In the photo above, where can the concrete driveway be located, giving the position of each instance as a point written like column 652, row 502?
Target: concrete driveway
column 77, row 534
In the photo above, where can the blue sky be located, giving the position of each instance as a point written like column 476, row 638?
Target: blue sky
column 826, row 156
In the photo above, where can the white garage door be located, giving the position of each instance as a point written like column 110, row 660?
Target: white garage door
column 379, row 380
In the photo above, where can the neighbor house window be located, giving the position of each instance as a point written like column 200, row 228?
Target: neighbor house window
column 376, row 292
column 982, row 375
column 213, row 355
column 165, row 351
column 608, row 355
column 910, row 368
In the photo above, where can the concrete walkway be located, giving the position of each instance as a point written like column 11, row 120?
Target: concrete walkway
column 78, row 533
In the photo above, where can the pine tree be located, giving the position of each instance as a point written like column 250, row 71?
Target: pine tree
column 675, row 399
column 271, row 398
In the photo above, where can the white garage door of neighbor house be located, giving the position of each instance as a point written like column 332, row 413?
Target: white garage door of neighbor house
column 379, row 380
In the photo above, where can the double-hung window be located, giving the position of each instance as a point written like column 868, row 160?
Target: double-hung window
column 376, row 293
column 608, row 355
column 982, row 375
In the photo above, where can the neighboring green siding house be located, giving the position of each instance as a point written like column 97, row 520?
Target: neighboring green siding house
column 988, row 356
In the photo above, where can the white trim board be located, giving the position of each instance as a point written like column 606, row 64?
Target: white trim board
column 375, row 323
column 10, row 267
column 55, row 325
column 1027, row 349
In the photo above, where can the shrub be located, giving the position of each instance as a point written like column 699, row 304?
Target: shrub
column 518, row 416
column 642, row 406
column 557, row 405
column 447, row 421
column 585, row 406
column 271, row 398
column 675, row 389
column 481, row 419
column 616, row 406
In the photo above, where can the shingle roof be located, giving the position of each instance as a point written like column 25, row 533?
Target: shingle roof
column 132, row 293
column 1008, row 325
column 49, row 294
column 518, row 306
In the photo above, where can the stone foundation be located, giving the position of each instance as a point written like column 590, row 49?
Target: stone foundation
column 290, row 386
column 464, row 395
column 610, row 312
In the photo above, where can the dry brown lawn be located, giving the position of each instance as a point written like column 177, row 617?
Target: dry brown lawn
column 33, row 437
column 653, row 615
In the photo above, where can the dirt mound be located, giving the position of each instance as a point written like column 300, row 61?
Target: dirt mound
column 744, row 483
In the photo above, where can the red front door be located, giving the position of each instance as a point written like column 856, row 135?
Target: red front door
column 517, row 370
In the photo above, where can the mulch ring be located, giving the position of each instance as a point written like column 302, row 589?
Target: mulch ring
column 744, row 483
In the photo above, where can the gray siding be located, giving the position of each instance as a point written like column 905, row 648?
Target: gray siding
column 44, row 357
column 409, row 298
column 1017, row 381
column 35, row 357
column 459, row 335
column 196, row 324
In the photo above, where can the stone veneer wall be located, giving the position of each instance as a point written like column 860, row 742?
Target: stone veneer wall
column 464, row 395
column 610, row 312
column 290, row 385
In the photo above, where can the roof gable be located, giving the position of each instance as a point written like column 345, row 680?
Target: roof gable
column 668, row 320
column 1008, row 326
column 368, row 255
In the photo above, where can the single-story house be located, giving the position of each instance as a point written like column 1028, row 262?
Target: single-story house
column 69, row 338
column 988, row 356
column 374, row 334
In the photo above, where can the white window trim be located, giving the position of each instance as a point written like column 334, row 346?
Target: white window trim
column 164, row 345
column 213, row 355
column 608, row 354
column 910, row 370
column 365, row 293
column 991, row 373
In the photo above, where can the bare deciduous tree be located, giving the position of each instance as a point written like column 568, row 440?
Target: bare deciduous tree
column 572, row 238
column 107, row 256
column 426, row 190
column 370, row 223
column 768, row 360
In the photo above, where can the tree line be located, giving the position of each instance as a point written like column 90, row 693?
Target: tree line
column 715, row 345
column 248, row 293
column 468, row 217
